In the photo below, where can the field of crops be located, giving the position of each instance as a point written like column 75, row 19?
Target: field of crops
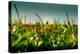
column 53, row 29
column 40, row 37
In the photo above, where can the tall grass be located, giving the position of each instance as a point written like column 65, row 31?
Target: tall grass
column 28, row 37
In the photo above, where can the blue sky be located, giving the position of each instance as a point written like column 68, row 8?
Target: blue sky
column 47, row 12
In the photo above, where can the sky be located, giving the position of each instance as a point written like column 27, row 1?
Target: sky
column 47, row 12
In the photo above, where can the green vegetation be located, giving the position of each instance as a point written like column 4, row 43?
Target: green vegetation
column 28, row 37
column 25, row 37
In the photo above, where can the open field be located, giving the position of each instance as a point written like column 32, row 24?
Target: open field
column 28, row 37
column 55, row 28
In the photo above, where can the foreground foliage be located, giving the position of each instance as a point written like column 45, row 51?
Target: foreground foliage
column 28, row 37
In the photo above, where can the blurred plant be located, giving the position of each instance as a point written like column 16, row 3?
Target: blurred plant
column 52, row 36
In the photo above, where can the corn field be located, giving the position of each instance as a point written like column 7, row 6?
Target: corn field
column 28, row 37
column 25, row 37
